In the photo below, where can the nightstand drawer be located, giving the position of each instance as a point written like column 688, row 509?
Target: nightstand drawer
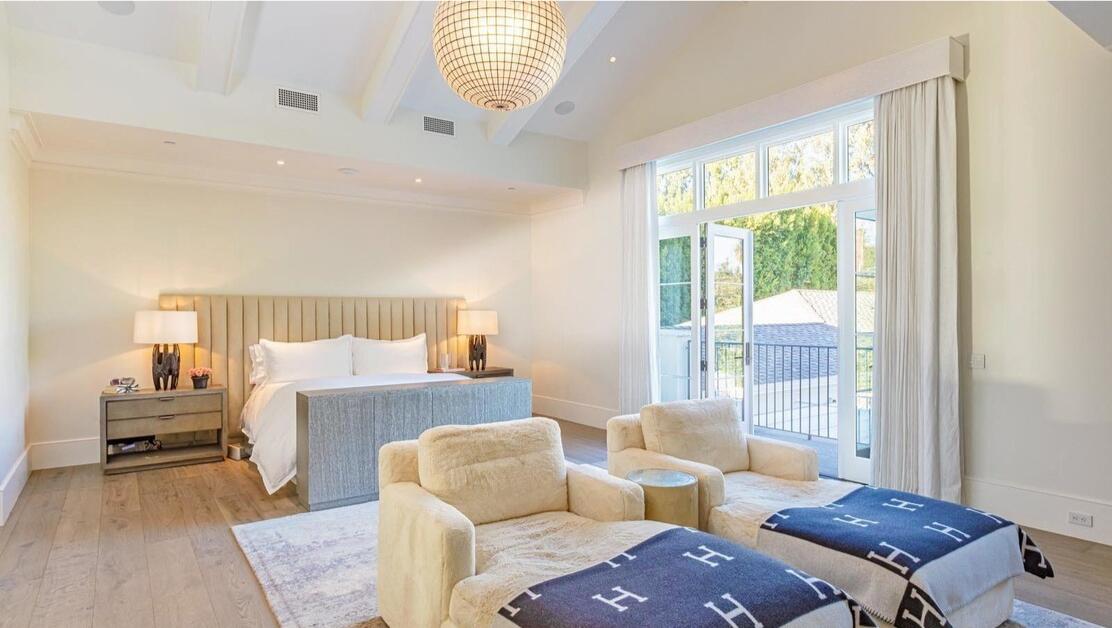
column 162, row 406
column 165, row 424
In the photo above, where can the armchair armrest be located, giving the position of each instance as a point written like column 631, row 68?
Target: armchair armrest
column 425, row 548
column 595, row 494
column 712, row 484
column 397, row 462
column 783, row 460
column 623, row 432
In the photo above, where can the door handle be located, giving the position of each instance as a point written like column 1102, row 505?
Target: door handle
column 165, row 398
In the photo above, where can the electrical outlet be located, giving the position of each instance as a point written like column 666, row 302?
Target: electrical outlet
column 977, row 361
column 1081, row 519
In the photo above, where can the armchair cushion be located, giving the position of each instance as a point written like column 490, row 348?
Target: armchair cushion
column 426, row 547
column 788, row 461
column 595, row 494
column 705, row 430
column 496, row 471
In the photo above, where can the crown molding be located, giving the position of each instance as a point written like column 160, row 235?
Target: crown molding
column 24, row 136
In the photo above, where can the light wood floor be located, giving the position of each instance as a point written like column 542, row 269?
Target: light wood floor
column 155, row 548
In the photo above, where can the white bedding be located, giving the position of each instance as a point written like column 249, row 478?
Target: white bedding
column 270, row 418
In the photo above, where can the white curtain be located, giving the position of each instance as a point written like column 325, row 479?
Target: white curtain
column 916, row 432
column 638, row 379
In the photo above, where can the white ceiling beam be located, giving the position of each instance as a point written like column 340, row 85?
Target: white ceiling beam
column 220, row 43
column 585, row 21
column 408, row 42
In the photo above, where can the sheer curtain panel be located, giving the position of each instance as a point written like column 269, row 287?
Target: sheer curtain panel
column 638, row 380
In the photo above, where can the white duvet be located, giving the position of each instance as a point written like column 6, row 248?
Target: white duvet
column 270, row 418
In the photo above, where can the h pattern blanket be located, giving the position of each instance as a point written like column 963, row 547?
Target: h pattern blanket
column 909, row 560
column 683, row 577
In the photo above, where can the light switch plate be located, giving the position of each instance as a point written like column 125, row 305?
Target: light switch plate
column 977, row 361
column 1081, row 519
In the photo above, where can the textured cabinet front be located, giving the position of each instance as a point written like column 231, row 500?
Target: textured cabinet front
column 341, row 431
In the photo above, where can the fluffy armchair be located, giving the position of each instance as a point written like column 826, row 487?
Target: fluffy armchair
column 434, row 492
column 702, row 438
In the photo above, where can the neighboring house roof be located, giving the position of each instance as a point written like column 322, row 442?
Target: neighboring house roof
column 799, row 307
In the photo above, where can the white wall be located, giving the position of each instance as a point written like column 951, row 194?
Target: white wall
column 14, row 300
column 106, row 245
column 1034, row 197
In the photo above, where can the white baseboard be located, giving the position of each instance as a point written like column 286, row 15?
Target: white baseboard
column 12, row 484
column 583, row 413
column 1041, row 509
column 64, row 453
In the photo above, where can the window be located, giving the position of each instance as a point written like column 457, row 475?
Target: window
column 801, row 164
column 860, row 150
column 730, row 180
column 675, row 192
column 674, row 340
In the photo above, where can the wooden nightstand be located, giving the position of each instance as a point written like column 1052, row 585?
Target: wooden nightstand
column 490, row 371
column 192, row 425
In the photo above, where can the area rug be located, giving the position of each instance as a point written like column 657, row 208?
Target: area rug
column 318, row 569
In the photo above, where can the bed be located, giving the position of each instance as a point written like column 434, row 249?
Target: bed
column 318, row 421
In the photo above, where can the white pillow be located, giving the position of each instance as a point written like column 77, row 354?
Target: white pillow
column 258, row 367
column 291, row 361
column 373, row 357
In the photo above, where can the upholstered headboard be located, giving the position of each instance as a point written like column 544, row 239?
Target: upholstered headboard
column 229, row 324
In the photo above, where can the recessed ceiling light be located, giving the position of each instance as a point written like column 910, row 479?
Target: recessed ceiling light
column 512, row 188
column 118, row 8
column 347, row 171
column 417, row 180
column 613, row 59
column 565, row 108
column 169, row 142
column 280, row 162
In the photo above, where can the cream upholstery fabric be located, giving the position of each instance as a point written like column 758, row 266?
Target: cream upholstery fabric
column 752, row 497
column 438, row 567
column 516, row 554
column 425, row 548
column 705, row 430
column 783, row 460
column 497, row 471
column 595, row 494
column 397, row 462
column 623, row 432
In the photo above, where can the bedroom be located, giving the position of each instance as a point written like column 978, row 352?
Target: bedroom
column 149, row 159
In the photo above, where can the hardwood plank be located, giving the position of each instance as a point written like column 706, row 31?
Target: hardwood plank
column 121, row 494
column 177, row 584
column 54, row 479
column 24, row 558
column 235, row 594
column 67, row 592
column 123, row 591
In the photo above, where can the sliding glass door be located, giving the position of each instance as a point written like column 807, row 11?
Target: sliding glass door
column 728, row 308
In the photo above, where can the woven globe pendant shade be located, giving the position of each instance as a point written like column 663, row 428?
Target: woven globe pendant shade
column 499, row 54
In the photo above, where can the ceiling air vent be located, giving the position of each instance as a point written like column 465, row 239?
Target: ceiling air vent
column 441, row 126
column 297, row 100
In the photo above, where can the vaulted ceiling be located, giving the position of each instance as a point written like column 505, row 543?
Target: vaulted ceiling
column 205, row 72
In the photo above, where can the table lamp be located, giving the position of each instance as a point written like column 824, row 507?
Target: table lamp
column 164, row 328
column 478, row 324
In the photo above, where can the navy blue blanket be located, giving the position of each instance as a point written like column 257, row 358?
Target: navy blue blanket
column 902, row 533
column 680, row 577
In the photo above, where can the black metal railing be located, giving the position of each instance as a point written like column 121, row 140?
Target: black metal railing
column 795, row 387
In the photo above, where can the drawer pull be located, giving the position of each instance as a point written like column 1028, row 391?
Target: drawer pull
column 165, row 398
column 165, row 417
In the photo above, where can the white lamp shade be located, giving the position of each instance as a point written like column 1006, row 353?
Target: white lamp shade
column 159, row 327
column 478, row 322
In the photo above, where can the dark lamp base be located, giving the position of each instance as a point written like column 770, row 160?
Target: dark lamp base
column 477, row 353
column 164, row 367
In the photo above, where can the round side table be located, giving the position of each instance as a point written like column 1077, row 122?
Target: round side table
column 670, row 496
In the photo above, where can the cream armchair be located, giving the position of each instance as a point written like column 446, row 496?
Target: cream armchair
column 470, row 516
column 703, row 438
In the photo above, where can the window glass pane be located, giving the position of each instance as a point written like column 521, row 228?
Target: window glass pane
column 674, row 340
column 675, row 192
column 864, row 265
column 860, row 150
column 730, row 180
column 801, row 164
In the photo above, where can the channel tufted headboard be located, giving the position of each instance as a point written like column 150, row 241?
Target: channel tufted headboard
column 229, row 324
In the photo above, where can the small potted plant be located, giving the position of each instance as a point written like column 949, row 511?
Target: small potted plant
column 200, row 376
